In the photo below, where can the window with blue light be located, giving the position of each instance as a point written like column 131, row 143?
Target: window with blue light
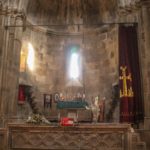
column 74, row 63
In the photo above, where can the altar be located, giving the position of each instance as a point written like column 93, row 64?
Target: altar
column 83, row 136
column 74, row 109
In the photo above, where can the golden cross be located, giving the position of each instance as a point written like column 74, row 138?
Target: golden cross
column 126, row 92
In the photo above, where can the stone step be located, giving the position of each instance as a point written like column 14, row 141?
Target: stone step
column 137, row 144
column 145, row 136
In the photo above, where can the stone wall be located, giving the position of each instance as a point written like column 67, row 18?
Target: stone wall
column 99, row 52
column 145, row 22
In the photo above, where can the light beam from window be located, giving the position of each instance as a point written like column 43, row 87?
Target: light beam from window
column 74, row 66
column 30, row 57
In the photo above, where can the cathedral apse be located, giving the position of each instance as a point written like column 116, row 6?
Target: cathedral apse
column 72, row 27
column 94, row 64
column 61, row 65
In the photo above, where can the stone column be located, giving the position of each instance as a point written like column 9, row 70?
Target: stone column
column 146, row 61
column 9, row 69
column 1, row 53
column 16, row 58
column 3, row 64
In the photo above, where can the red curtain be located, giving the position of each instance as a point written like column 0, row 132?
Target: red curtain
column 131, row 102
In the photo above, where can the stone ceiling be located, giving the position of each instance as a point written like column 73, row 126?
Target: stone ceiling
column 71, row 11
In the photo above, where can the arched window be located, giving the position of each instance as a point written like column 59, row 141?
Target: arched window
column 74, row 82
column 30, row 57
column 74, row 68
column 27, row 57
column 23, row 58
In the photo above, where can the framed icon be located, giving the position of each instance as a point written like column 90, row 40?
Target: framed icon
column 56, row 97
column 47, row 100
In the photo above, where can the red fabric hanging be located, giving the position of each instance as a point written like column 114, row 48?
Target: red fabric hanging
column 21, row 95
column 131, row 103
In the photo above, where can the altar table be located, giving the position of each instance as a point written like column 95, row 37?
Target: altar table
column 81, row 137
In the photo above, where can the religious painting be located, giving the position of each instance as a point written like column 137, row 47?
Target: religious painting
column 21, row 94
column 23, row 57
column 47, row 100
column 56, row 97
